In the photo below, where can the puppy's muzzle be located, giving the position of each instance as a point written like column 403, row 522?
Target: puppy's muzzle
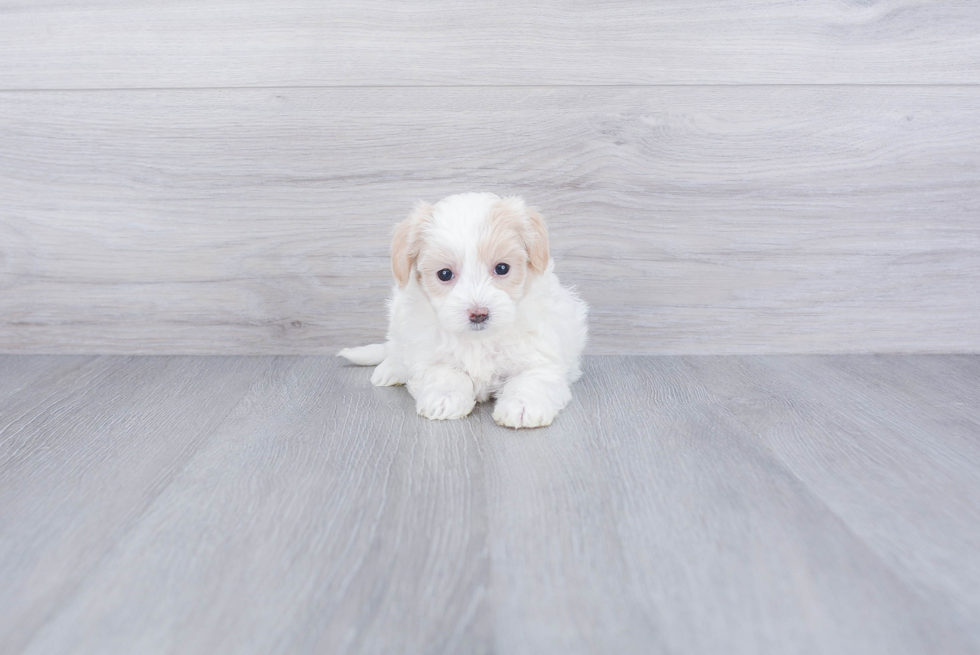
column 478, row 315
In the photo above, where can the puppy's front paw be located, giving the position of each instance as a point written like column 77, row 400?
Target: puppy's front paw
column 517, row 413
column 387, row 374
column 442, row 405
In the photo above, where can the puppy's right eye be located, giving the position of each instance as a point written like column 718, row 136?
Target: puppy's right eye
column 445, row 275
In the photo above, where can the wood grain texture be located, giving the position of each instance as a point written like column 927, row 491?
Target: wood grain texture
column 647, row 520
column 898, row 470
column 116, row 44
column 322, row 516
column 948, row 382
column 694, row 220
column 83, row 453
column 678, row 505
column 17, row 373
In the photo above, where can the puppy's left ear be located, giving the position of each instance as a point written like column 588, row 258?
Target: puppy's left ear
column 536, row 239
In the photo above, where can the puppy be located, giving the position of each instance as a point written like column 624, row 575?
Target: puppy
column 477, row 311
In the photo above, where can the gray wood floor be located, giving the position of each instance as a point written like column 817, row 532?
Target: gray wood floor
column 680, row 504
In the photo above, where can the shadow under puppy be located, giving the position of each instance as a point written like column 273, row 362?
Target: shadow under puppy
column 478, row 311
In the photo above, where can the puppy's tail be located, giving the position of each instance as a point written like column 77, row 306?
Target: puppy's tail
column 365, row 355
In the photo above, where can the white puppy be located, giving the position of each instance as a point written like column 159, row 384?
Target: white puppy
column 478, row 312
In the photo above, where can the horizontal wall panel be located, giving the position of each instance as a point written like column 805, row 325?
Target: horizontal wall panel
column 694, row 220
column 57, row 44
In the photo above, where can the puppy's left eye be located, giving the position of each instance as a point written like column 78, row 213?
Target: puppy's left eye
column 501, row 268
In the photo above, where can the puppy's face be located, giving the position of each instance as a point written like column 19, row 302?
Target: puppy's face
column 473, row 255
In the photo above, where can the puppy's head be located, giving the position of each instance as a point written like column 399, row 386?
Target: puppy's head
column 473, row 255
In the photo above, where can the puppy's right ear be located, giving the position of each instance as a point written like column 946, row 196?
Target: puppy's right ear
column 406, row 242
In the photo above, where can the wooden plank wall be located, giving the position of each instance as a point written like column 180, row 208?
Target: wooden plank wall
column 747, row 177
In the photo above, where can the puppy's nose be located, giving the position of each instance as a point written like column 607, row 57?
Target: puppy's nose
column 479, row 314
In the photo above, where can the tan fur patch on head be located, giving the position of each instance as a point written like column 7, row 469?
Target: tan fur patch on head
column 407, row 240
column 503, row 242
column 495, row 250
column 432, row 259
column 511, row 222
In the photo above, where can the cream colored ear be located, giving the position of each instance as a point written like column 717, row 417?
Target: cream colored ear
column 405, row 244
column 537, row 242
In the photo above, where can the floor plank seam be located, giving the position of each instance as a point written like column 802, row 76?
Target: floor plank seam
column 131, row 523
column 285, row 87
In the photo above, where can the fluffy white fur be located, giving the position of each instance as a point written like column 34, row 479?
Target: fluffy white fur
column 525, row 353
